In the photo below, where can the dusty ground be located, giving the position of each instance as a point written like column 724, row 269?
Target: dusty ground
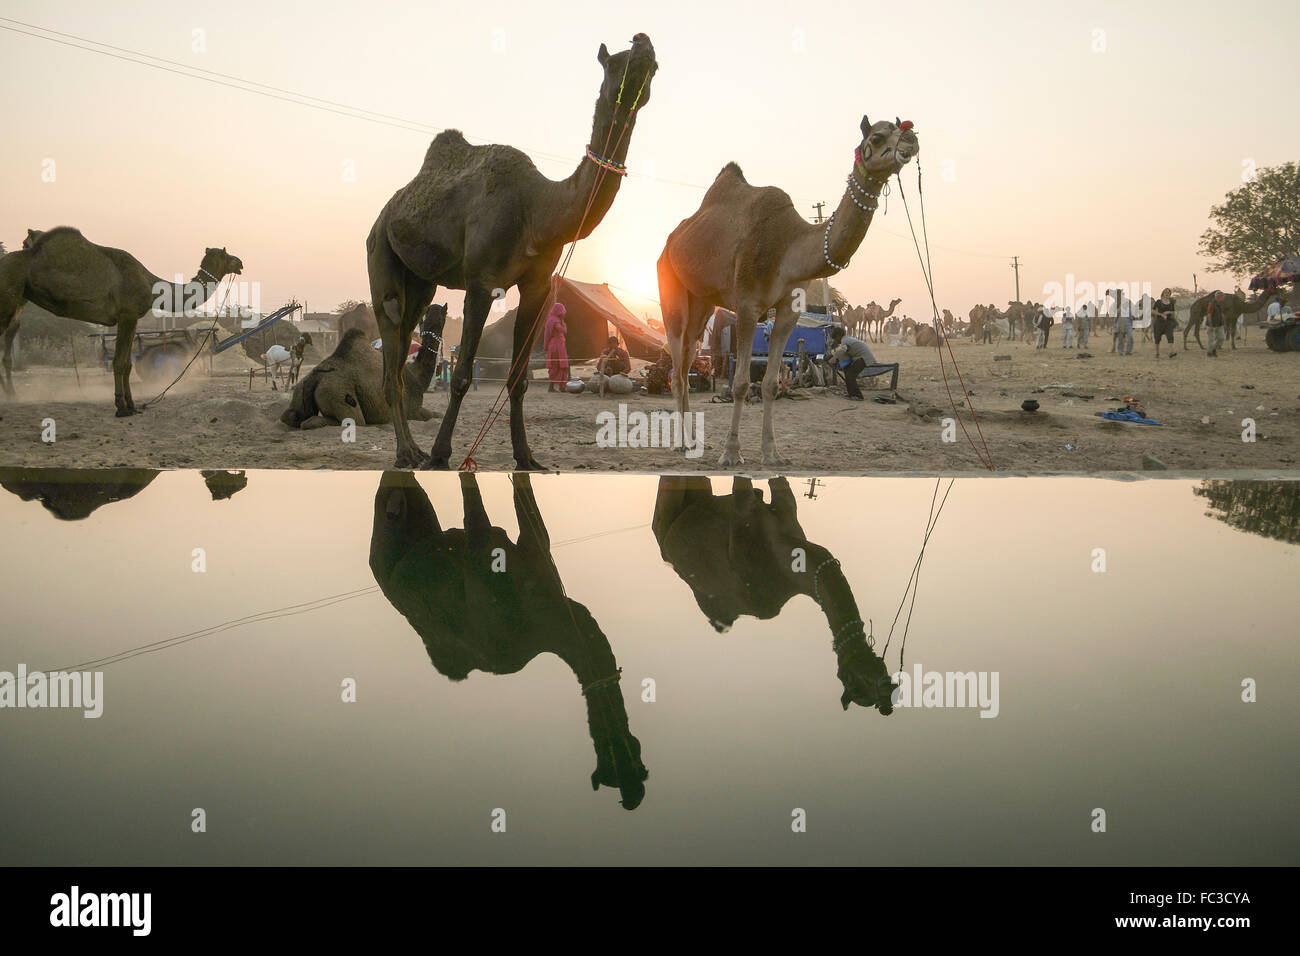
column 220, row 422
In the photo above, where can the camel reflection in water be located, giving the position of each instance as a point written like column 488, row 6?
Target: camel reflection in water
column 738, row 556
column 472, row 617
column 73, row 494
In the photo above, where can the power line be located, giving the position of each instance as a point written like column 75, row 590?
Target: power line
column 230, row 81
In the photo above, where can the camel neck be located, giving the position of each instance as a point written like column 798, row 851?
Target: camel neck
column 178, row 298
column 850, row 222
column 566, row 214
column 827, row 586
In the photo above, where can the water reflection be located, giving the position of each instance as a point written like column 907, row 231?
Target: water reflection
column 72, row 494
column 740, row 555
column 1267, row 508
column 482, row 602
column 224, row 484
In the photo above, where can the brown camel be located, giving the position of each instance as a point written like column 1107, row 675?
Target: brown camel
column 1234, row 307
column 737, row 554
column 482, row 602
column 874, row 317
column 64, row 273
column 747, row 249
column 350, row 382
column 483, row 219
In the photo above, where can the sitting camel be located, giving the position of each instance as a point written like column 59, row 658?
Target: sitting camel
column 64, row 273
column 747, row 249
column 1234, row 307
column 350, row 382
column 472, row 615
column 735, row 553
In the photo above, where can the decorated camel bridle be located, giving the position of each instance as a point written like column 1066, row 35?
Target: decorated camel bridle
column 870, row 198
column 604, row 162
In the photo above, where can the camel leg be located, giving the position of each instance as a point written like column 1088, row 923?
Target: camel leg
column 478, row 527
column 786, row 317
column 674, row 304
column 533, row 535
column 122, row 368
column 10, row 334
column 746, row 320
column 399, row 298
column 478, row 302
column 533, row 296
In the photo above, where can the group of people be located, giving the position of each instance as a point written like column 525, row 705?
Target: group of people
column 613, row 360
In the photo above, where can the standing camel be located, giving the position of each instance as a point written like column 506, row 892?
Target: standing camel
column 1234, row 307
column 875, row 317
column 61, row 271
column 483, row 219
column 747, row 249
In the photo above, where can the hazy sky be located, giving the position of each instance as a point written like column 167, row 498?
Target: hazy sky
column 1099, row 164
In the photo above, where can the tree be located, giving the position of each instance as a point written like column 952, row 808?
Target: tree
column 1257, row 224
column 838, row 302
column 347, row 305
column 2, row 248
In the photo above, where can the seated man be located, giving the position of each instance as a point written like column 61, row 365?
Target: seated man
column 613, row 361
column 852, row 355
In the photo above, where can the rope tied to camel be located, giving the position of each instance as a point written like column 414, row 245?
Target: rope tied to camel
column 941, row 337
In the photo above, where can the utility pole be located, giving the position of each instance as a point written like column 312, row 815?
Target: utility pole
column 812, row 488
column 1015, row 264
column 818, row 206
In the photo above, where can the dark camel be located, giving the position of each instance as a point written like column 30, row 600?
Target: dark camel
column 483, row 219
column 472, row 615
column 736, row 554
column 64, row 273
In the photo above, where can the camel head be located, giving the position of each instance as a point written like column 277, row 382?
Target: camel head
column 885, row 149
column 628, row 74
column 218, row 263
column 32, row 236
column 434, row 321
column 865, row 679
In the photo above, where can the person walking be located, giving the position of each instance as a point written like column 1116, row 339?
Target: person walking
column 1067, row 330
column 1083, row 325
column 554, row 340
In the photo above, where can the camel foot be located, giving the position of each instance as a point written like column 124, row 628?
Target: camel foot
column 730, row 458
column 441, row 463
column 126, row 412
column 773, row 459
column 529, row 464
column 414, row 458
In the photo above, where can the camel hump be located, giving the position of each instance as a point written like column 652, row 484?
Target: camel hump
column 732, row 169
column 351, row 339
column 43, row 238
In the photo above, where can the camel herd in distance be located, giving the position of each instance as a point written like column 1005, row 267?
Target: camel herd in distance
column 481, row 218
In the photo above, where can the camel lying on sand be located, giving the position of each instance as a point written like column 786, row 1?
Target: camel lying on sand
column 350, row 382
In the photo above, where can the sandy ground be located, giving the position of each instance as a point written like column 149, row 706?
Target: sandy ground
column 220, row 422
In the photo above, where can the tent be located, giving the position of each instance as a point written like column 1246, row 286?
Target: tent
column 594, row 314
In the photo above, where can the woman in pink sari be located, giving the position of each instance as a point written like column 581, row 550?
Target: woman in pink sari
column 557, row 354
